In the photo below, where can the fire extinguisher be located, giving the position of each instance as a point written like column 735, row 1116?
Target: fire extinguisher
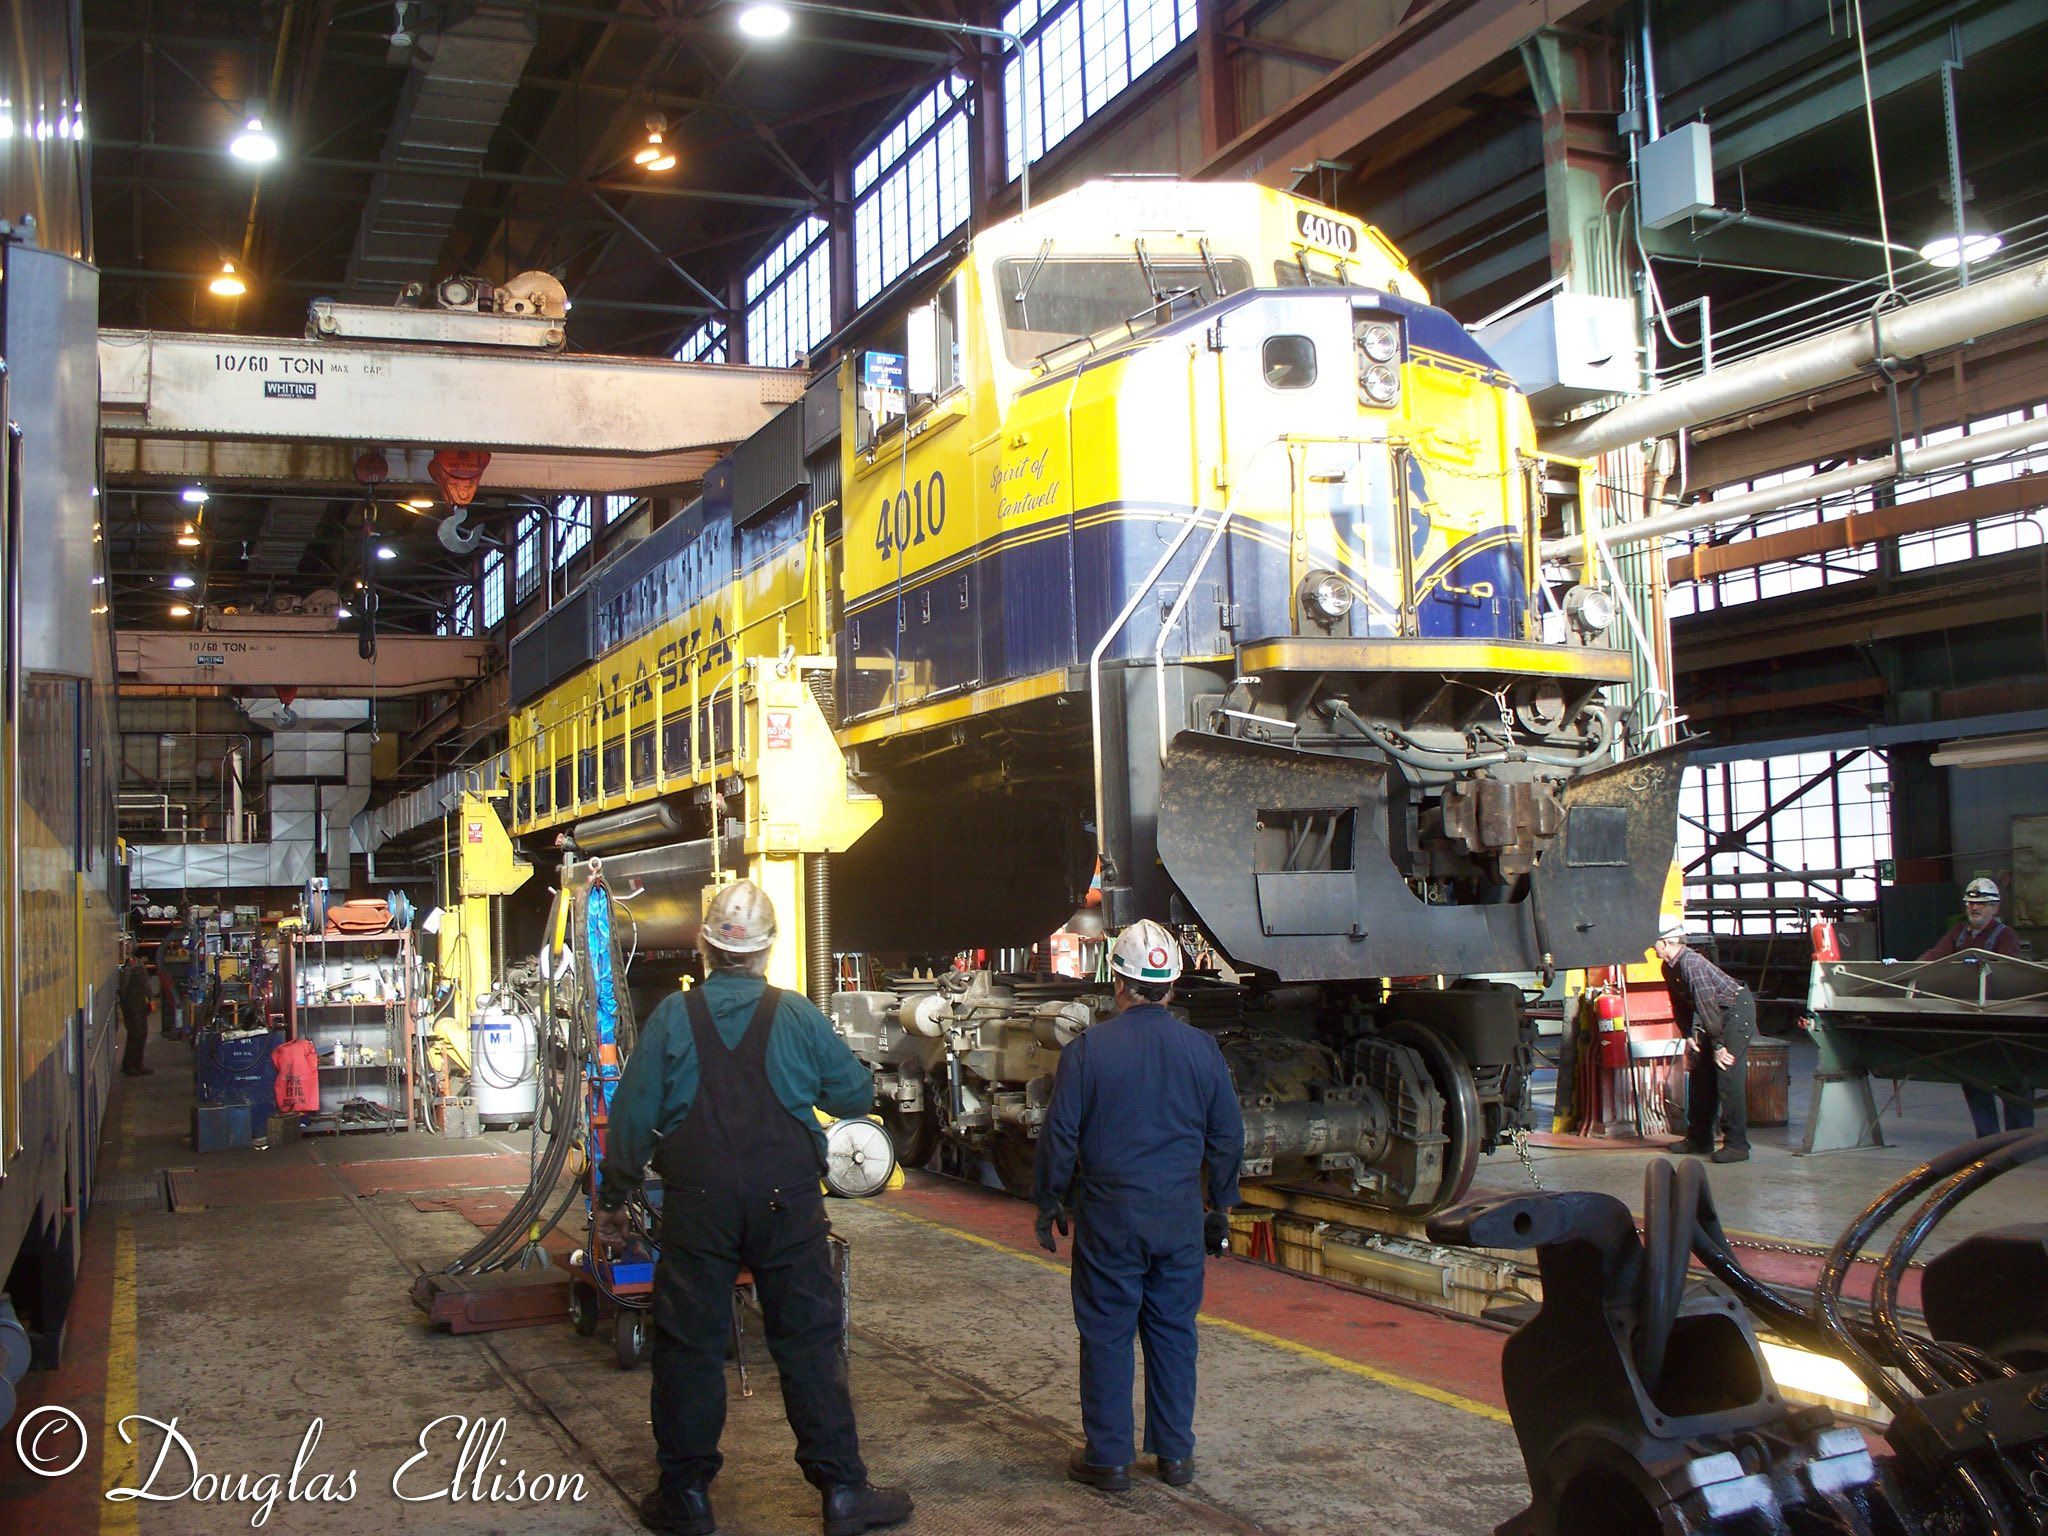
column 1827, row 945
column 1610, row 1010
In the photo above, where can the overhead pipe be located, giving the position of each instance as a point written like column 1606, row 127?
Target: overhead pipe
column 1948, row 320
column 2015, row 438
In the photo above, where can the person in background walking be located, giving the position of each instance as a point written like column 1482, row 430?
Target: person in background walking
column 131, row 987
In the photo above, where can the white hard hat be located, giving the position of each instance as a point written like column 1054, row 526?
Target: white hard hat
column 1145, row 951
column 739, row 919
column 1981, row 889
column 1671, row 926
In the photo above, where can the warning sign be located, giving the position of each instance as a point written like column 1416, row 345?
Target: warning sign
column 781, row 729
column 476, row 831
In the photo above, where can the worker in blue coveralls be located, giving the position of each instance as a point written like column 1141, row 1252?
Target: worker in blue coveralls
column 1141, row 1104
column 718, row 1096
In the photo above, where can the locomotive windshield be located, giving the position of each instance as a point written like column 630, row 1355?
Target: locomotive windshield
column 1052, row 301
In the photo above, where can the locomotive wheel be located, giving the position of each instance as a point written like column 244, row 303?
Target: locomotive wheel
column 632, row 1334
column 1012, row 1154
column 916, row 1134
column 583, row 1308
column 1463, row 1123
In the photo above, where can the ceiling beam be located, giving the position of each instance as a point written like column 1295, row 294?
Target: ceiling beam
column 1441, row 52
column 486, row 175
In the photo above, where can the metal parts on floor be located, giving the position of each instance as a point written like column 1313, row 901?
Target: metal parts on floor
column 1645, row 1407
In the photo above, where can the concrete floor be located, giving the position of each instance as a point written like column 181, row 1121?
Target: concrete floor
column 1321, row 1410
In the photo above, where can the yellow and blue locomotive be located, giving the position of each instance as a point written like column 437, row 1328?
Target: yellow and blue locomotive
column 1165, row 536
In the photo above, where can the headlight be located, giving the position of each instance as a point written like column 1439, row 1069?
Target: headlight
column 1380, row 384
column 1379, row 341
column 1589, row 609
column 1326, row 596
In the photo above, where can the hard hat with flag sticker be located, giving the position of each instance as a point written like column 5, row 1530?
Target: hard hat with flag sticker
column 1145, row 951
column 739, row 919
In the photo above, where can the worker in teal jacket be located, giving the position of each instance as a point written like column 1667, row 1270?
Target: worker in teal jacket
column 718, row 1096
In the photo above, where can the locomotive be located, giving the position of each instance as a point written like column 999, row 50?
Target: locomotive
column 1164, row 540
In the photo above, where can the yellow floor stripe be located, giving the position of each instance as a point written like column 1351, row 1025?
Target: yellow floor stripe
column 1369, row 1372
column 118, row 1465
column 1245, row 1330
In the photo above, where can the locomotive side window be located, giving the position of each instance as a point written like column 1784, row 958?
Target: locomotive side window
column 1289, row 362
column 1052, row 301
column 913, row 361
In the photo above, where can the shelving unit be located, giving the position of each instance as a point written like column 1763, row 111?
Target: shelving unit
column 349, row 996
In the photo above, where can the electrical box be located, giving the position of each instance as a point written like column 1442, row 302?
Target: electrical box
column 1676, row 174
column 1571, row 348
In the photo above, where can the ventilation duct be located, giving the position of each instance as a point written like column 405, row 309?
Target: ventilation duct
column 453, row 100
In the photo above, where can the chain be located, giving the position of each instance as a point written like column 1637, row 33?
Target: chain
column 1519, row 1136
column 1805, row 1250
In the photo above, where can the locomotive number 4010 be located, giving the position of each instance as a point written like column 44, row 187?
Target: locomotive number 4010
column 912, row 515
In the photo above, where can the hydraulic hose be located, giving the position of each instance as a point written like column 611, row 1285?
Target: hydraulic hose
column 1891, row 1272
column 1835, row 1269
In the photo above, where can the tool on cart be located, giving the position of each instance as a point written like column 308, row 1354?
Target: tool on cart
column 1644, row 1404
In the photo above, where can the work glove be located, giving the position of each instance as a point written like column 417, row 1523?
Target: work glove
column 1216, row 1232
column 611, row 1228
column 1050, row 1217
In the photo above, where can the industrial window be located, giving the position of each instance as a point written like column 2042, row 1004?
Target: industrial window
column 1083, row 54
column 572, row 529
column 1767, row 843
column 789, row 297
column 616, row 507
column 526, row 557
column 706, row 344
column 492, row 586
column 911, row 189
column 2024, row 529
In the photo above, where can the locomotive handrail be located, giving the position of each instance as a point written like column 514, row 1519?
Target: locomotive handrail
column 1194, row 521
column 1173, row 617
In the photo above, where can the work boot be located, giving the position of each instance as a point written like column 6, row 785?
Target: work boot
column 1732, row 1155
column 1176, row 1473
column 679, row 1514
column 1108, row 1479
column 855, row 1507
column 1691, row 1148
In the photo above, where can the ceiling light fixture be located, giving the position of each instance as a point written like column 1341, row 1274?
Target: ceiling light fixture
column 183, row 582
column 386, row 552
column 765, row 19
column 655, row 155
column 254, row 143
column 189, row 539
column 194, row 496
column 421, row 503
column 180, row 611
column 1947, row 252
column 226, row 283
column 344, row 613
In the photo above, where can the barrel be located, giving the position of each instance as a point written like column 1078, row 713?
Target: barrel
column 1768, row 1083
